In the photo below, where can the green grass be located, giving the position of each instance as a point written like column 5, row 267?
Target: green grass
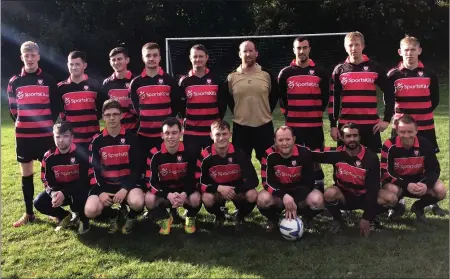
column 403, row 249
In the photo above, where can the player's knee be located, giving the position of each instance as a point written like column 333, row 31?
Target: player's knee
column 330, row 194
column 38, row 204
column 315, row 200
column 251, row 195
column 136, row 199
column 26, row 168
column 264, row 199
column 150, row 200
column 392, row 188
column 91, row 208
column 195, row 199
column 387, row 198
column 439, row 190
column 208, row 199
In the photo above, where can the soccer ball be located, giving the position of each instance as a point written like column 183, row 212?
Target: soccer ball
column 291, row 229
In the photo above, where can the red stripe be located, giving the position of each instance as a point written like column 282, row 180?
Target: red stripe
column 158, row 112
column 41, row 135
column 293, row 124
column 151, row 124
column 383, row 154
column 194, row 133
column 201, row 123
column 305, row 114
column 206, row 111
column 359, row 99
column 361, row 111
column 34, row 112
column 413, row 105
column 87, row 129
column 81, row 118
column 116, row 173
column 35, row 124
column 154, row 135
column 198, row 175
column 270, row 189
column 429, row 127
column 304, row 103
column 263, row 173
column 93, row 181
column 361, row 122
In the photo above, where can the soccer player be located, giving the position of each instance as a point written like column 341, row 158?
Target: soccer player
column 34, row 107
column 170, row 179
column 82, row 101
column 354, row 92
column 155, row 97
column 409, row 167
column 117, row 85
column 288, row 181
column 113, row 173
column 205, row 100
column 65, row 177
column 304, row 94
column 226, row 174
column 356, row 174
column 253, row 95
column 416, row 94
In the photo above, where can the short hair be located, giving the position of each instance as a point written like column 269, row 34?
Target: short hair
column 405, row 119
column 354, row 35
column 200, row 47
column 410, row 40
column 29, row 46
column 220, row 125
column 61, row 127
column 77, row 54
column 302, row 39
column 111, row 103
column 118, row 50
column 151, row 45
column 171, row 121
column 349, row 125
column 247, row 41
column 283, row 128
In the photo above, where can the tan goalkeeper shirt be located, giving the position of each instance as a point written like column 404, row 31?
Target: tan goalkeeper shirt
column 254, row 96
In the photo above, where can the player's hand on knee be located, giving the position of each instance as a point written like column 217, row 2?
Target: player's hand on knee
column 421, row 188
column 334, row 133
column 181, row 198
column 120, row 196
column 105, row 199
column 174, row 199
column 412, row 188
column 57, row 199
column 226, row 191
column 364, row 227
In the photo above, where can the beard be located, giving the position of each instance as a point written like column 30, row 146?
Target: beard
column 352, row 145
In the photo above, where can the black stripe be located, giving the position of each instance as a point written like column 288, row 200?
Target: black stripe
column 84, row 124
column 116, row 167
column 359, row 117
column 150, row 130
column 305, row 120
column 34, row 130
column 304, row 97
column 33, row 106
column 203, row 117
column 305, row 108
column 351, row 186
column 414, row 110
column 359, row 93
column 359, row 105
column 425, row 122
column 201, row 105
column 410, row 99
column 129, row 120
column 154, row 106
column 198, row 128
column 35, row 118
column 153, row 118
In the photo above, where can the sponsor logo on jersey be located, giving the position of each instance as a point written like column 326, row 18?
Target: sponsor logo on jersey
column 20, row 94
column 400, row 86
column 345, row 80
column 191, row 94
column 69, row 101
column 291, row 84
column 106, row 155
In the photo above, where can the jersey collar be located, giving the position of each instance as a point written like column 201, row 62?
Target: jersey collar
column 191, row 72
column 310, row 64
column 398, row 142
column 24, row 73
column 85, row 77
column 164, row 148
column 401, row 66
column 73, row 147
column 122, row 131
column 230, row 149
column 127, row 75
column 160, row 72
column 365, row 58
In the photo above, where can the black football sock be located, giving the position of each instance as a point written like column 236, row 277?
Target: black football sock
column 28, row 192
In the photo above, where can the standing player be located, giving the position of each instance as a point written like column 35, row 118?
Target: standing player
column 356, row 176
column 409, row 167
column 224, row 173
column 81, row 101
column 253, row 95
column 170, row 179
column 65, row 177
column 416, row 94
column 155, row 97
column 117, row 85
column 304, row 90
column 34, row 106
column 113, row 173
column 288, row 181
column 354, row 92
column 205, row 101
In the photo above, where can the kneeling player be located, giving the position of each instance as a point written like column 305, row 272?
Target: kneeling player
column 170, row 179
column 114, row 172
column 356, row 176
column 226, row 174
column 288, row 180
column 409, row 167
column 64, row 174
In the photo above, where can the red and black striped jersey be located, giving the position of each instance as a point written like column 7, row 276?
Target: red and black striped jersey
column 82, row 107
column 416, row 94
column 114, row 161
column 205, row 102
column 118, row 89
column 354, row 90
column 235, row 169
column 356, row 175
column 303, row 94
column 282, row 176
column 167, row 173
column 65, row 172
column 401, row 166
column 33, row 103
column 154, row 99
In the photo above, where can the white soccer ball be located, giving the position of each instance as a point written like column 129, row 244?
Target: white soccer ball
column 291, row 229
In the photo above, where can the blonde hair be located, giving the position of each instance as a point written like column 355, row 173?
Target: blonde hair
column 354, row 35
column 410, row 40
column 29, row 46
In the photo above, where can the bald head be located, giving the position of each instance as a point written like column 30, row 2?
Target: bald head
column 248, row 53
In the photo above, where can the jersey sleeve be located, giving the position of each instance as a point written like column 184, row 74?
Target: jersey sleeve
column 324, row 86
column 327, row 155
column 12, row 99
column 434, row 91
column 387, row 87
column 282, row 89
column 222, row 99
column 55, row 103
column 183, row 100
column 176, row 98
column 47, row 175
column 206, row 184
column 335, row 97
column 151, row 175
column 134, row 157
column 269, row 181
column 95, row 169
column 132, row 94
column 387, row 166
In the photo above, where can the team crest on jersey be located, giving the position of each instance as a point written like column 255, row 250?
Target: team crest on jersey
column 420, row 73
column 40, row 81
column 416, row 152
column 294, row 162
column 86, row 87
column 366, row 68
column 127, row 85
column 72, row 160
column 230, row 160
column 122, row 141
column 160, row 81
column 358, row 163
column 208, row 81
column 179, row 158
column 311, row 72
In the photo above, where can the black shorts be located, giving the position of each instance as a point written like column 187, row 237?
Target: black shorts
column 300, row 194
column 368, row 139
column 112, row 189
column 29, row 149
column 312, row 137
column 428, row 134
column 353, row 201
column 248, row 138
column 145, row 145
column 196, row 143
